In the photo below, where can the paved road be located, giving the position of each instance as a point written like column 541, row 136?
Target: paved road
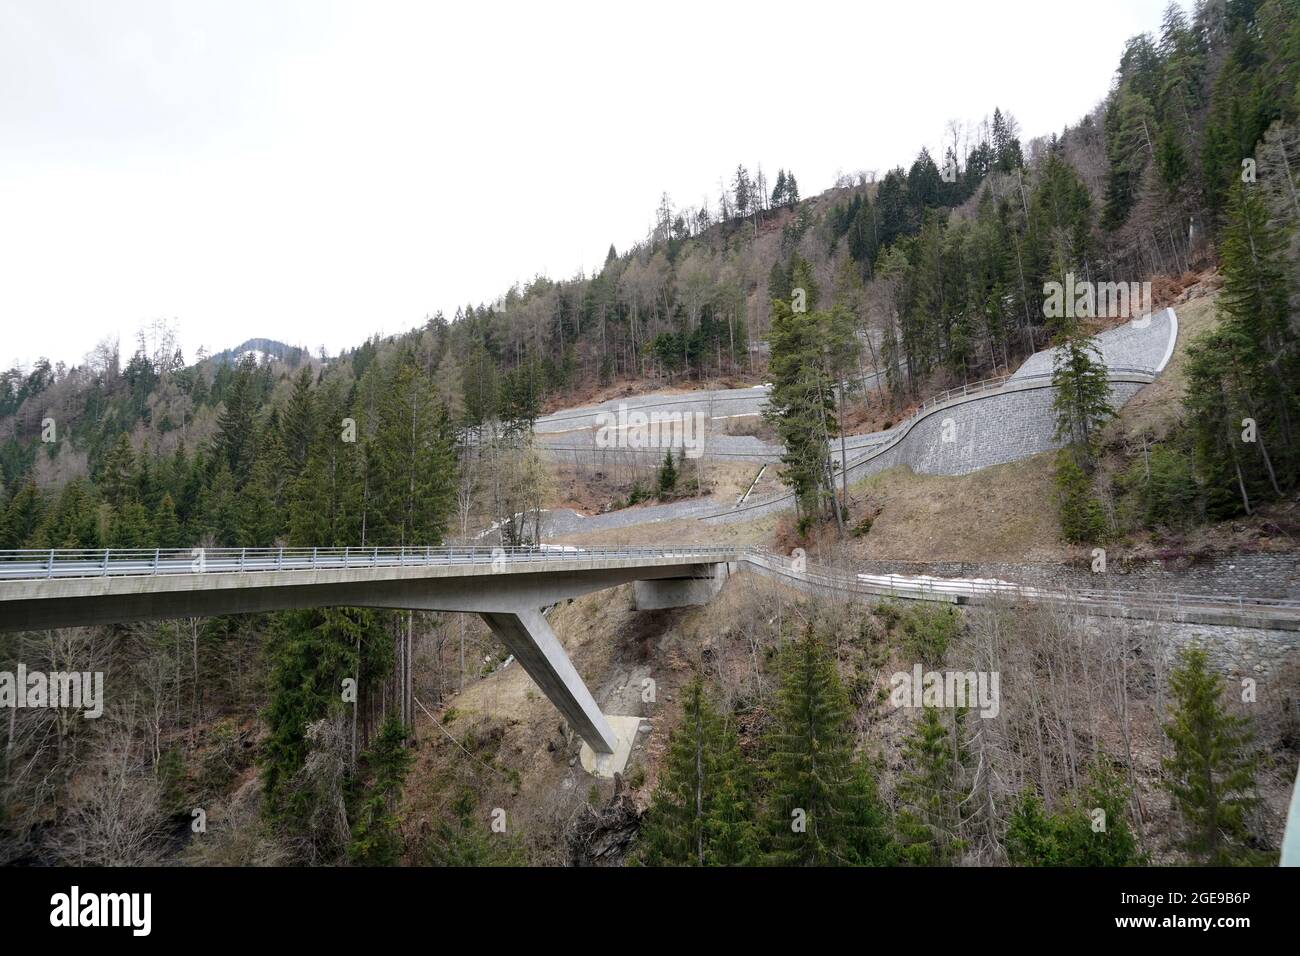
column 24, row 576
column 39, row 565
column 572, row 432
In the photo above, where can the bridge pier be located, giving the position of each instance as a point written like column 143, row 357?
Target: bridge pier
column 77, row 588
column 540, row 653
column 655, row 594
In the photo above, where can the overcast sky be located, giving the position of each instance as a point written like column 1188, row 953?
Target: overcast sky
column 316, row 172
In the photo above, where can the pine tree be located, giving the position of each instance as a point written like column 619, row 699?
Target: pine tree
column 24, row 515
column 823, row 808
column 1255, row 304
column 778, row 282
column 929, row 818
column 1088, row 829
column 667, row 479
column 299, row 423
column 221, row 507
column 468, row 841
column 1082, row 519
column 778, row 191
column 311, row 652
column 259, row 518
column 236, row 428
column 742, row 188
column 1215, row 412
column 166, row 529
column 1129, row 121
column 1211, row 772
column 791, row 190
column 1080, row 390
column 117, row 475
column 416, row 463
column 130, row 527
column 1171, row 160
column 376, row 839
column 801, row 405
column 702, row 810
column 73, row 522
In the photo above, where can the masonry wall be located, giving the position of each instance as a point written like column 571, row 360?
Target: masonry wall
column 992, row 428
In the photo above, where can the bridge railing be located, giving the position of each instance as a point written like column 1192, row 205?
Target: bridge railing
column 902, row 586
column 35, row 564
column 998, row 382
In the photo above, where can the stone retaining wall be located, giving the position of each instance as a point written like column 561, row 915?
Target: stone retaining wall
column 978, row 431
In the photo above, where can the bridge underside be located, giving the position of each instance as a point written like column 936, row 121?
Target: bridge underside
column 509, row 601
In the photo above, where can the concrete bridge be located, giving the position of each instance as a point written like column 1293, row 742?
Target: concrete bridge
column 509, row 589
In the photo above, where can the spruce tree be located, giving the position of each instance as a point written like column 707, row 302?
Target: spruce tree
column 468, row 841
column 299, row 423
column 1089, row 828
column 1255, row 304
column 1214, row 413
column 667, row 479
column 801, row 405
column 130, row 527
column 1080, row 391
column 166, row 529
column 702, row 810
column 376, row 839
column 117, row 474
column 778, row 191
column 929, row 791
column 1081, row 516
column 311, row 652
column 791, row 190
column 416, row 463
column 1211, row 773
column 236, row 428
column 823, row 809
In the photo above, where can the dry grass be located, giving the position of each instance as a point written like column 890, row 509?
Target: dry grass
column 1158, row 407
column 1004, row 513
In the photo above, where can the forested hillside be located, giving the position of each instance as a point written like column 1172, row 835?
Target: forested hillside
column 932, row 273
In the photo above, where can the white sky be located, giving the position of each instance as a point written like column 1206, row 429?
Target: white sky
column 316, row 172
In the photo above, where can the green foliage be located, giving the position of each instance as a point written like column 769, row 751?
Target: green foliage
column 1211, row 772
column 929, row 630
column 702, row 811
column 1161, row 487
column 376, row 838
column 470, row 840
column 929, row 791
column 416, row 463
column 1129, row 124
column 171, row 781
column 1089, row 829
column 1082, row 520
column 808, row 350
column 823, row 807
column 667, row 480
column 166, row 527
column 1245, row 371
column 311, row 653
column 1080, row 389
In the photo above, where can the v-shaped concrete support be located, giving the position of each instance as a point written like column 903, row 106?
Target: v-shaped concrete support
column 540, row 653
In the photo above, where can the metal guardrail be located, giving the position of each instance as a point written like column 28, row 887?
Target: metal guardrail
column 896, row 434
column 945, row 588
column 35, row 565
column 18, row 566
column 30, row 564
column 1000, row 381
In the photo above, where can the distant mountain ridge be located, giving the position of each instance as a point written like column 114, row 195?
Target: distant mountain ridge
column 292, row 355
